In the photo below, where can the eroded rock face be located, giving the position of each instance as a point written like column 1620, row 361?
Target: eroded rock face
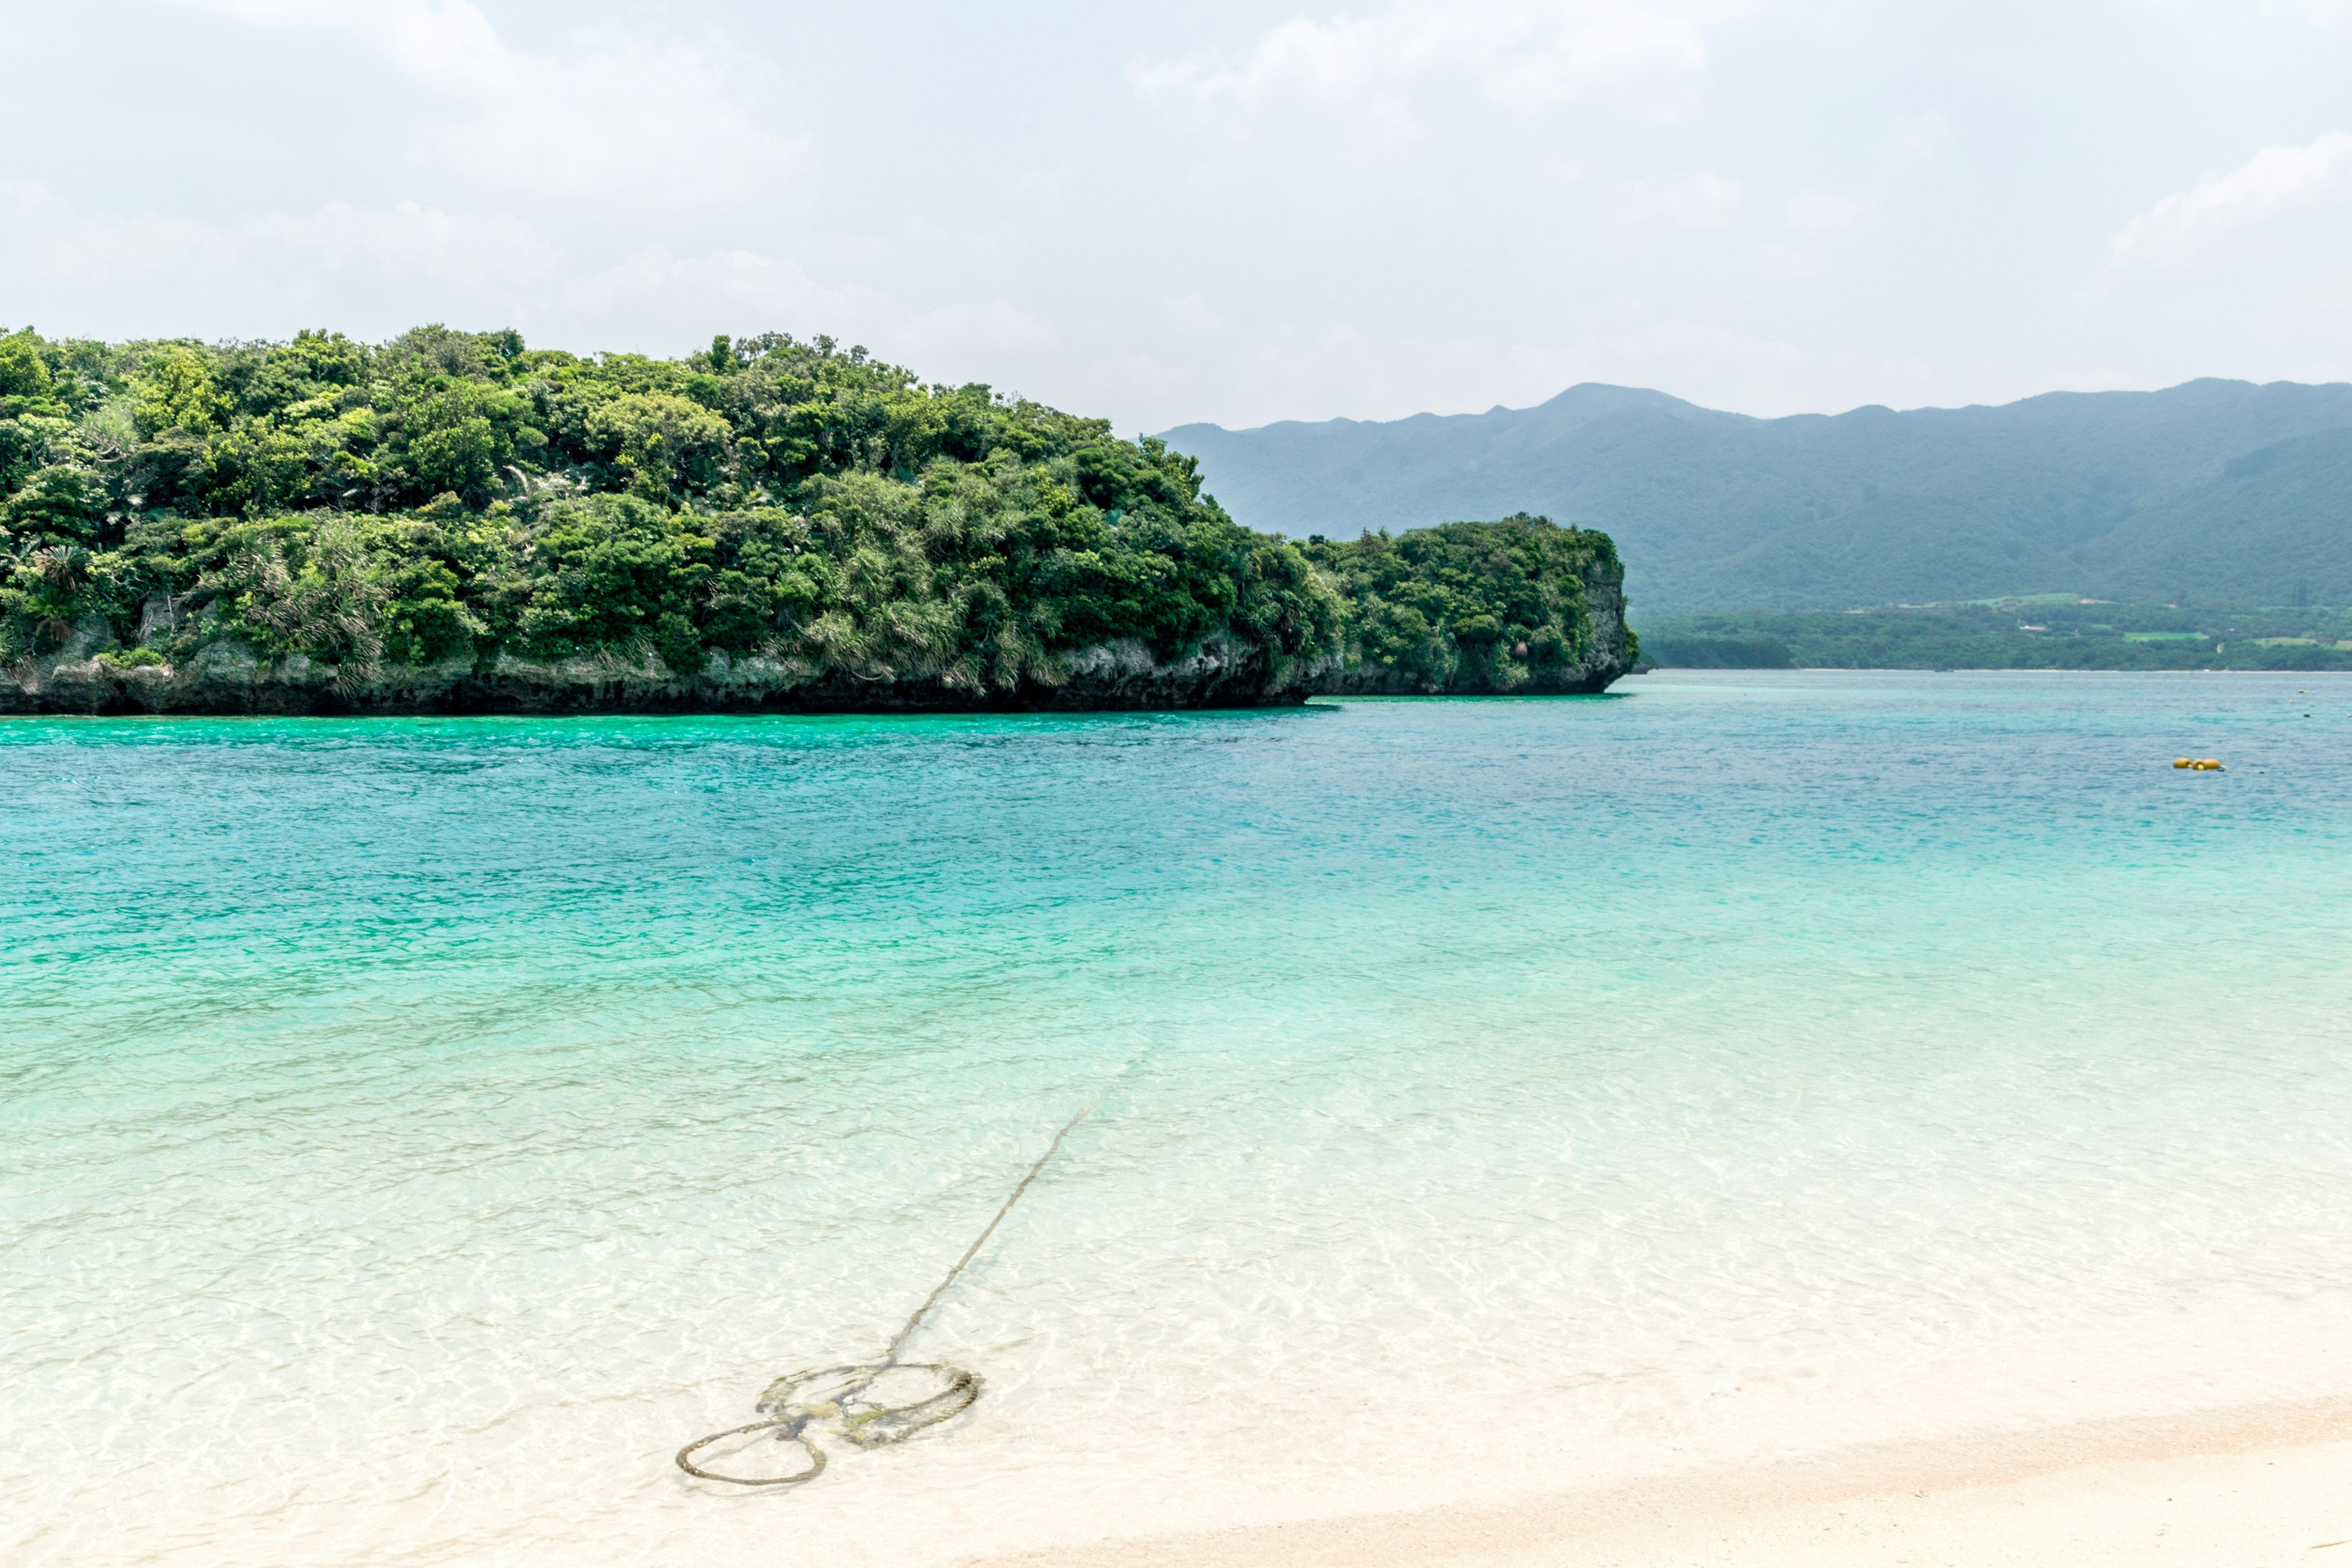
column 1222, row 672
column 225, row 678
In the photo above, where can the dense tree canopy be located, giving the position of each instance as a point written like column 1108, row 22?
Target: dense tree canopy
column 1472, row 607
column 451, row 495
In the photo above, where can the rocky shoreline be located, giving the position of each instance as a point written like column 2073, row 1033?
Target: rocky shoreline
column 1223, row 672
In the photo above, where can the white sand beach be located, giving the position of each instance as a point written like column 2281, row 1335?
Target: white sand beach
column 2239, row 1490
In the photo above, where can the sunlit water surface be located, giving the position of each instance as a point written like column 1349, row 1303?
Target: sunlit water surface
column 414, row 1130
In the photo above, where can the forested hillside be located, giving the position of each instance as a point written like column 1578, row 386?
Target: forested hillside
column 2056, row 632
column 454, row 518
column 2274, row 527
column 1516, row 605
column 2214, row 488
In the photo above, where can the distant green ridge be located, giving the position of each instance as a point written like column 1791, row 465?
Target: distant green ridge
column 2037, row 632
column 2220, row 490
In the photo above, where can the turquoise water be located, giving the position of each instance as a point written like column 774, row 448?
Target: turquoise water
column 415, row 1130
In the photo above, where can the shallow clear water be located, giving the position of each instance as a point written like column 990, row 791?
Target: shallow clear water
column 414, row 1130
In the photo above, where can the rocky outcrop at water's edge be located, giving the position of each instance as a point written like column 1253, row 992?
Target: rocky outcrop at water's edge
column 224, row 678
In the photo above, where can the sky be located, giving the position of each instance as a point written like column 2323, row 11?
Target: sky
column 1235, row 211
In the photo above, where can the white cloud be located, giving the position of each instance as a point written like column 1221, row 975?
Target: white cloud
column 1193, row 315
column 1548, row 171
column 2095, row 378
column 635, row 125
column 2184, row 228
column 1300, row 371
column 267, row 275
column 49, row 242
column 2323, row 300
column 411, row 240
column 1637, row 343
column 1910, row 141
column 1293, row 371
column 1822, row 212
column 2325, row 13
column 748, row 291
column 449, row 42
column 504, row 163
column 718, row 288
column 1517, row 54
column 1697, row 200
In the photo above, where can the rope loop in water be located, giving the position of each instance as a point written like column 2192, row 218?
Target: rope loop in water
column 785, row 1433
column 844, row 1399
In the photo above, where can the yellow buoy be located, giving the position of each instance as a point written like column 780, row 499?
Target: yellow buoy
column 2180, row 761
column 2208, row 765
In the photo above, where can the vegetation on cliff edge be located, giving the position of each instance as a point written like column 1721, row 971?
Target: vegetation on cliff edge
column 459, row 495
column 1475, row 607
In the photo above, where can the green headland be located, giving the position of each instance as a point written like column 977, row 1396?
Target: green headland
column 457, row 522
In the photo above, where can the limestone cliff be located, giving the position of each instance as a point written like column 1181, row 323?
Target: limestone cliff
column 1515, row 607
column 225, row 678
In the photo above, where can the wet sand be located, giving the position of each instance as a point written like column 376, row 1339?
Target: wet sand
column 2239, row 1487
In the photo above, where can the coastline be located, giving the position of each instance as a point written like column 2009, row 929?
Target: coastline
column 2254, row 1485
column 91, row 689
column 1120, row 676
column 1557, row 1198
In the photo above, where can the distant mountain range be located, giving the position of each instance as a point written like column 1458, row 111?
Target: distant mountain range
column 2213, row 491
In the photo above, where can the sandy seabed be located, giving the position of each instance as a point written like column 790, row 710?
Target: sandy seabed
column 2240, row 1488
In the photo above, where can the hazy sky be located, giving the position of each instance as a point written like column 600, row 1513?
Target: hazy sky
column 1238, row 211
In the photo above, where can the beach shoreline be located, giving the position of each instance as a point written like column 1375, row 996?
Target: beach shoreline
column 2247, row 1486
column 1524, row 1132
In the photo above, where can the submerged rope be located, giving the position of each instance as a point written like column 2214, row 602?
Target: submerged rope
column 839, row 1395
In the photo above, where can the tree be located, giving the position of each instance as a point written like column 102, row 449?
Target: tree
column 173, row 389
column 660, row 444
column 25, row 383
